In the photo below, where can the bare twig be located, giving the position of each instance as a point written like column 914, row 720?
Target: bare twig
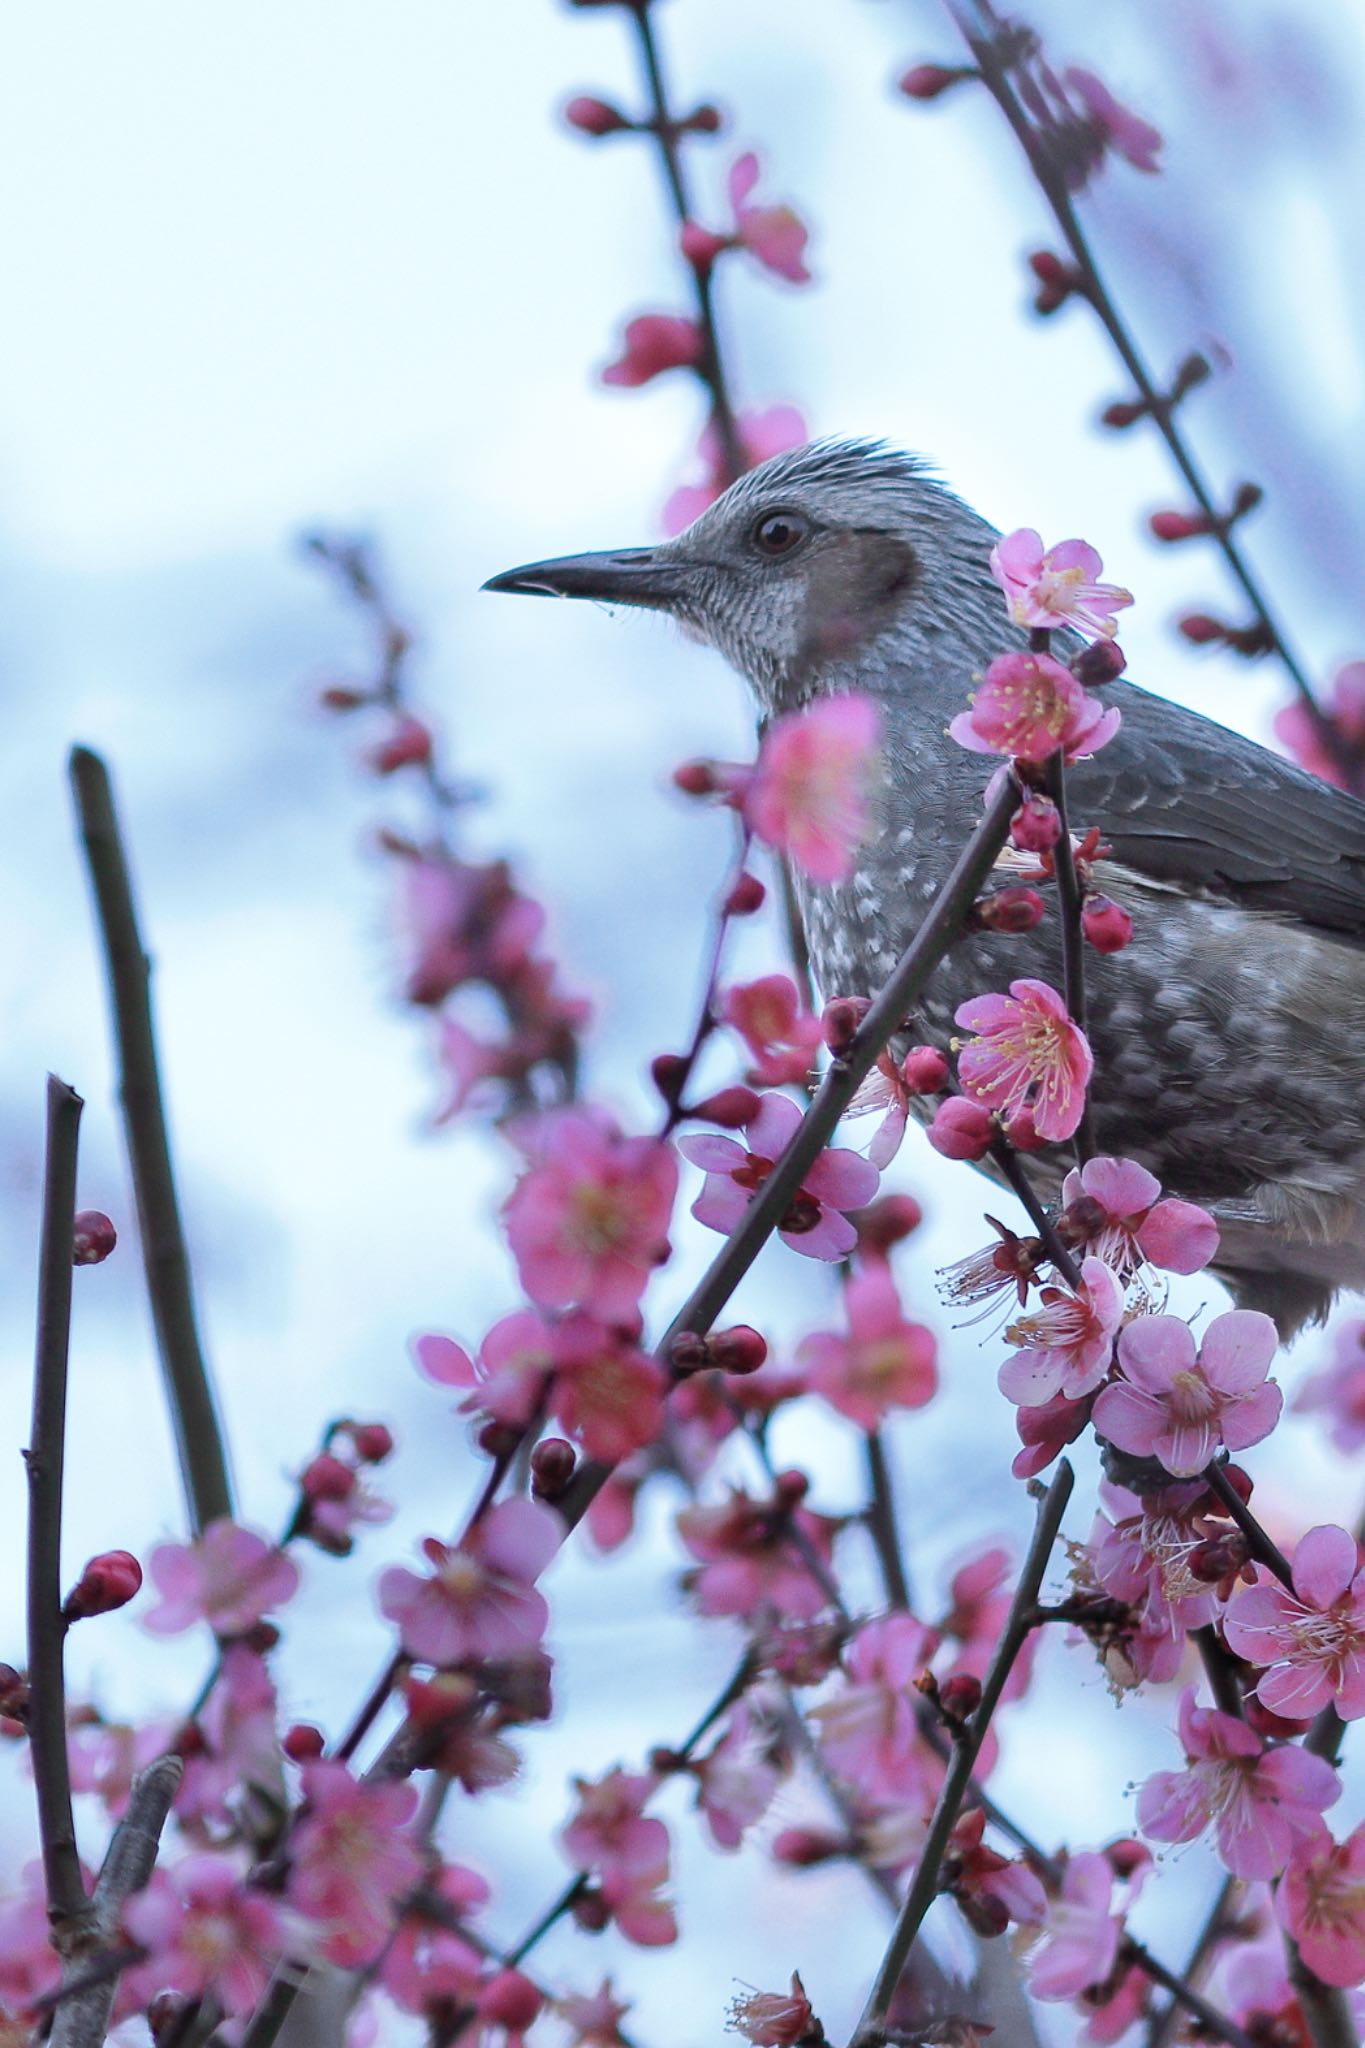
column 881, row 1521
column 203, row 1460
column 1263, row 1547
column 1324, row 2008
column 1163, row 2025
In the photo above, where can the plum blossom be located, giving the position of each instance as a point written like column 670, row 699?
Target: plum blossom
column 1337, row 1391
column 884, row 1362
column 761, row 434
column 810, row 793
column 238, row 1750
column 1320, row 1901
column 1141, row 1552
column 655, row 342
column 1344, row 703
column 607, row 1393
column 1118, row 128
column 1026, row 1052
column 352, row 1856
column 777, row 2019
column 1067, row 1343
column 508, row 1378
column 229, row 1577
column 815, row 1223
column 611, row 1837
column 588, row 1220
column 1081, row 1936
column 1262, row 1803
column 782, row 1037
column 869, row 1730
column 204, row 1930
column 1045, row 1433
column 1309, row 1644
column 1179, row 1407
column 1112, row 1208
column 748, row 1562
column 772, row 234
column 738, row 1778
column 594, row 2018
column 991, row 1889
column 480, row 1601
column 1030, row 705
column 1056, row 587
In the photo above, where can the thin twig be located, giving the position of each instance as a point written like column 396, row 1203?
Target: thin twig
column 881, row 1521
column 1210, row 2018
column 198, row 1434
column 1163, row 2024
column 68, row 1905
column 1073, row 940
column 1263, row 1547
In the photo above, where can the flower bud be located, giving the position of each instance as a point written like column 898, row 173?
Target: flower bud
column 689, row 1352
column 885, row 1222
column 840, row 1020
column 1021, row 1132
column 108, row 1582
column 1056, row 280
column 1124, row 412
column 509, row 2000
column 961, row 1129
column 983, row 1912
column 1173, row 526
column 930, row 81
column 1099, row 663
column 1008, row 910
column 303, row 1742
column 700, row 246
column 373, row 1441
column 1036, row 825
column 746, row 896
column 1240, row 1482
column 1218, row 1557
column 1106, row 924
column 960, row 1696
column 591, row 1911
column 342, row 697
column 327, row 1478
column 14, row 1697
column 696, row 778
column 553, row 1464
column 791, row 1487
column 93, row 1238
column 1201, row 629
column 729, row 1107
column 408, row 744
column 703, row 120
column 804, row 1847
column 739, row 1349
column 595, row 117
column 1269, row 1726
column 1126, row 1857
column 924, row 1070
column 668, row 1071
column 499, row 1439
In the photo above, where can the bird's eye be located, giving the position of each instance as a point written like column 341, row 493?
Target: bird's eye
column 779, row 533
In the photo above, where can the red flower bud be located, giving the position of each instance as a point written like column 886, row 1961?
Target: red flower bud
column 109, row 1581
column 1241, row 1483
column 1126, row 1856
column 689, row 1352
column 703, row 120
column 887, row 1221
column 342, row 697
column 1106, row 924
column 1009, row 910
column 931, row 81
column 407, row 744
column 303, row 1742
column 961, row 1129
column 739, row 1349
column 553, row 1464
column 1124, row 412
column 668, row 1071
column 595, row 117
column 924, row 1070
column 960, row 1696
column 1270, row 1726
column 499, row 1439
column 697, row 778
column 93, row 1238
column 1022, row 1133
column 1056, row 280
column 804, row 1847
column 327, row 1478
column 1201, row 629
column 14, row 1698
column 373, row 1441
column 1218, row 1557
column 1036, row 824
column 791, row 1487
column 729, row 1107
column 1173, row 526
column 840, row 1021
column 1098, row 664
column 746, row 897
column 434, row 1702
column 510, row 2000
column 591, row 1911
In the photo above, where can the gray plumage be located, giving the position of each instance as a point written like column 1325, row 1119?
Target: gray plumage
column 1230, row 1036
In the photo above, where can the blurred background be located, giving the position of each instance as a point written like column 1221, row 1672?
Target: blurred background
column 342, row 266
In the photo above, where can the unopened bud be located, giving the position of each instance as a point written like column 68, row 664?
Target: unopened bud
column 1106, row 924
column 1201, row 629
column 802, row 1848
column 108, row 1582
column 1124, row 412
column 696, row 778
column 930, row 81
column 1036, row 825
column 1173, row 526
column 924, row 1070
column 739, row 1349
column 1021, row 1132
column 983, row 1912
column 510, row 2000
column 1241, row 1483
column 373, row 1441
column 434, row 1702
column 689, row 1352
column 731, row 1108
column 499, row 1439
column 595, row 117
column 1009, row 910
column 408, row 744
column 668, row 1071
column 591, row 1911
column 703, row 120
column 745, row 897
column 1270, row 1726
column 1057, row 281
column 303, row 1742
column 887, row 1221
column 327, row 1478
column 93, row 1237
column 342, row 697
column 791, row 1487
column 553, row 1464
column 840, row 1020
column 961, row 1129
column 960, row 1696
column 1127, row 1856
column 14, row 1694
column 1099, row 663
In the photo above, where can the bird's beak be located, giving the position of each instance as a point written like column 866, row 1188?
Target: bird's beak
column 643, row 576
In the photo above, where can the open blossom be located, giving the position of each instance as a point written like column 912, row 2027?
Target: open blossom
column 610, row 1831
column 761, row 434
column 1112, row 1207
column 507, row 1380
column 1337, row 1391
column 1180, row 1407
column 229, row 1577
column 777, row 2019
column 428, row 1965
column 1067, row 1343
column 748, row 1561
column 1121, row 130
column 1028, row 705
column 606, row 1392
column 1081, row 1936
column 991, row 1889
column 1045, row 1433
column 1141, row 1551
column 1058, row 586
column 1321, row 1902
column 1344, row 703
column 1310, row 1644
column 884, row 1362
column 588, row 1220
column 352, row 1855
column 773, row 234
column 480, row 1600
column 593, row 2018
column 869, row 1729
column 782, row 1037
column 1261, row 1803
column 810, row 794
column 238, row 1750
column 814, row 1223
column 739, row 1776
column 1026, row 1052
column 205, row 1930
column 655, row 342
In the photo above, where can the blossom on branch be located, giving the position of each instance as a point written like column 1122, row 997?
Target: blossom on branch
column 655, row 342
column 1344, row 704
column 1028, row 705
column 229, row 1577
column 1112, row 1209
column 773, row 234
column 782, row 1037
column 480, row 1601
column 205, row 1930
column 815, row 1222
column 749, row 1561
column 1116, row 126
column 1180, row 1406
column 1067, row 1343
column 1056, row 587
column 1081, row 1935
column 884, row 1362
column 1309, row 1644
column 351, row 1856
column 588, row 1220
column 1027, row 1053
column 1337, row 1391
column 1320, row 1901
column 508, row 1379
column 810, row 793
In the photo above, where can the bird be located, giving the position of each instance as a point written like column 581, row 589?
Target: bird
column 1229, row 1035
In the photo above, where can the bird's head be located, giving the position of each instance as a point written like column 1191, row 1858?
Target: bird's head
column 801, row 567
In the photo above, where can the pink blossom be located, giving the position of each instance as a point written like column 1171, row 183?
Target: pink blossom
column 1141, row 1552
column 773, row 234
column 29, row 1965
column 749, row 1563
column 610, row 1831
column 961, row 1129
column 810, row 795
column 782, row 1037
column 980, row 1595
column 884, row 1362
column 891, row 1086
column 335, row 1499
column 588, row 1220
column 655, row 342
column 991, row 1889
column 1130, row 137
column 1320, row 1901
column 633, row 1900
column 815, row 1223
column 739, row 1776
column 777, row 2019
column 1027, row 1052
column 594, row 2018
column 1112, row 1208
column 1058, row 588
column 238, row 1752
column 1067, row 1342
column 205, row 1930
column 1030, row 705
column 1309, row 1644
column 1261, row 1803
column 1338, row 1390
column 1170, row 1404
column 508, row 1379
column 429, row 1967
column 1344, row 704
column 869, row 1729
column 1045, row 1433
column 480, row 1600
column 606, row 1392
column 761, row 434
column 229, row 1577
column 352, row 1857
column 1081, row 1940
column 464, row 923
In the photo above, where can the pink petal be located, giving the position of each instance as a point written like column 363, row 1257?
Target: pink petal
column 1237, row 1350
column 1130, row 1419
column 832, row 1238
column 1076, row 554
column 1154, row 1349
column 1031, row 1378
column 843, row 1179
column 742, row 179
column 1018, row 556
column 1257, row 1620
column 1185, row 1448
column 1246, row 1422
column 1172, row 1807
column 1325, row 1563
column 1295, row 1690
column 771, row 1130
column 717, row 1155
column 1180, row 1237
column 721, row 1203
column 1124, row 1187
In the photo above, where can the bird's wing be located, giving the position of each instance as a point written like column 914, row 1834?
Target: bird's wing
column 1185, row 801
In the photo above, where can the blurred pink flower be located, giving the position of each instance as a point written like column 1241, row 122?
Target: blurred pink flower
column 1045, row 1433
column 1337, row 1391
column 1173, row 1405
column 1056, row 587
column 1126, row 133
column 814, row 1224
column 748, row 1561
column 1344, row 704
column 593, row 2018
column 1028, row 705
column 606, row 1392
column 588, row 1220
column 238, row 1750
column 738, row 1777
column 480, row 1601
column 782, row 1037
column 632, row 1898
column 29, row 1965
column 1308, row 1644
column 610, row 1830
column 991, row 1889
column 777, row 2019
column 229, row 1577
column 655, row 342
column 1026, row 1052
column 1067, row 1342
column 869, row 1729
column 205, row 1930
column 352, row 1856
column 1261, row 1803
column 508, row 1379
column 774, row 234
column 1112, row 1208
column 761, row 434
column 464, row 923
column 1081, row 1936
column 810, row 792
column 884, row 1362
column 1321, row 1901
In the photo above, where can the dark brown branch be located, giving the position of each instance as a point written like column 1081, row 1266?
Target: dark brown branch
column 68, row 1906
column 203, row 1461
column 1162, row 2028
column 881, row 1522
column 924, row 1885
column 1263, row 1547
column 1324, row 2008
column 1073, row 940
